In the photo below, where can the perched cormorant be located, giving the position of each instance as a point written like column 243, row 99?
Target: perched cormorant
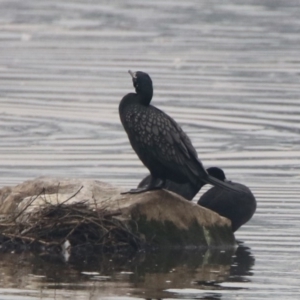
column 237, row 207
column 186, row 190
column 159, row 141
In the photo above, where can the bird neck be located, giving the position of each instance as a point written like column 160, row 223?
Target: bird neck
column 145, row 95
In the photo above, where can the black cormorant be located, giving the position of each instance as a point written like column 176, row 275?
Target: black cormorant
column 237, row 207
column 159, row 141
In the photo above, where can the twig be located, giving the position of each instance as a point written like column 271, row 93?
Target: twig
column 73, row 229
column 30, row 202
column 74, row 195
column 57, row 192
column 30, row 239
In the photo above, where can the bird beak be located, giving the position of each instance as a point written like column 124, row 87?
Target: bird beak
column 132, row 74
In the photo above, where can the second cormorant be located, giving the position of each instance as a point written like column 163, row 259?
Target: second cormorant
column 237, row 207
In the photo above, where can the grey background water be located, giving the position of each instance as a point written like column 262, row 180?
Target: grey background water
column 227, row 71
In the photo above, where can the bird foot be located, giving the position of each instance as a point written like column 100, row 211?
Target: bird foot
column 141, row 190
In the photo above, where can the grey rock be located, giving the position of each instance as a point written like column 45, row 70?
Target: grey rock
column 161, row 217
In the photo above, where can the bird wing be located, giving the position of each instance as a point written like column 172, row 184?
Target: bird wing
column 162, row 139
column 185, row 145
column 156, row 137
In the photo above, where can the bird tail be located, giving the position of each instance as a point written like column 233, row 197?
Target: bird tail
column 222, row 184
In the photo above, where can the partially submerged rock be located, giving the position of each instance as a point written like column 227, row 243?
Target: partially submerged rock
column 52, row 210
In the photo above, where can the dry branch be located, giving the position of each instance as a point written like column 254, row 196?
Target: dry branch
column 52, row 225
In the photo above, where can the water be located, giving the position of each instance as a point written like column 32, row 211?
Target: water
column 227, row 72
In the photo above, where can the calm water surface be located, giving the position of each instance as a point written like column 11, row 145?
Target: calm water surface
column 227, row 71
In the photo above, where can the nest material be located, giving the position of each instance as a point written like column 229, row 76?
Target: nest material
column 52, row 225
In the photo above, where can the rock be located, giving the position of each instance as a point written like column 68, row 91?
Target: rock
column 160, row 217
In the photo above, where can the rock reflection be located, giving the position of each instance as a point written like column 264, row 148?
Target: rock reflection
column 146, row 275
column 239, row 270
column 243, row 262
